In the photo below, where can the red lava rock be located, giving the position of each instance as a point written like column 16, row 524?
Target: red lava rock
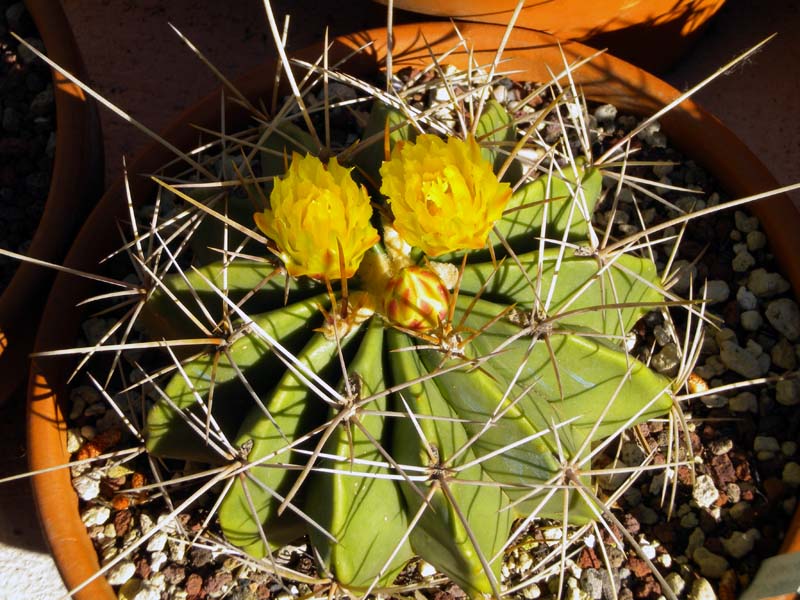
column 722, row 499
column 174, row 574
column 722, row 470
column 648, row 588
column 638, row 567
column 588, row 559
column 122, row 522
column 743, row 471
column 262, row 592
column 697, row 445
column 728, row 585
column 452, row 592
column 142, row 567
column 685, row 475
column 217, row 583
column 194, row 586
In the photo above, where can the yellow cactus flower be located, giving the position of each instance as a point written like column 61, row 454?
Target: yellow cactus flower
column 315, row 209
column 444, row 195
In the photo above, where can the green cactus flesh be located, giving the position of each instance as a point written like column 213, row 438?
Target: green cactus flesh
column 428, row 448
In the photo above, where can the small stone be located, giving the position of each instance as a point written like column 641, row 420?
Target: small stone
column 591, row 582
column 764, row 443
column 784, row 315
column 632, row 454
column 791, row 474
column 717, row 291
column 676, row 583
column 721, row 446
column 787, row 392
column 42, row 103
column 121, row 572
column 531, row 592
column 426, row 569
column 740, row 361
column 711, row 565
column 751, row 320
column 74, row 440
column 95, row 515
column 683, row 272
column 666, row 361
column 783, row 355
column 696, row 540
column 739, row 544
column 646, row 515
column 756, row 240
column 157, row 542
column 747, row 300
column 744, row 222
column 765, row 285
column 788, row 448
column 714, row 400
column 87, row 486
column 689, row 521
column 701, row 590
column 148, row 592
column 744, row 402
column 734, row 493
column 605, row 112
column 705, row 493
column 743, row 261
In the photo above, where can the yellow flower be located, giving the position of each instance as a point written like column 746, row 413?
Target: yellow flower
column 444, row 195
column 315, row 209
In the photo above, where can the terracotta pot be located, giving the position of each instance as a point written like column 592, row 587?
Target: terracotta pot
column 652, row 34
column 76, row 183
column 530, row 54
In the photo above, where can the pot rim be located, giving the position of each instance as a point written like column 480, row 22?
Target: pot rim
column 606, row 79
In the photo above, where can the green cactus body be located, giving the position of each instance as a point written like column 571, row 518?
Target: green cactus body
column 490, row 402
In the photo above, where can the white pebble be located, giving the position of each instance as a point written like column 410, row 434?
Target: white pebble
column 74, row 440
column 740, row 543
column 157, row 542
column 744, row 402
column 121, row 572
column 744, row 222
column 787, row 392
column 740, row 361
column 702, row 590
column 747, row 300
column 87, row 486
column 765, row 284
column 157, row 560
column 95, row 515
column 675, row 582
column 751, row 320
column 756, row 240
column 791, row 474
column 711, row 565
column 717, row 291
column 705, row 493
column 426, row 569
column 784, row 315
column 743, row 262
column 763, row 443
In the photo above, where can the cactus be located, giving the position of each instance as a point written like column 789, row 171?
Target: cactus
column 419, row 356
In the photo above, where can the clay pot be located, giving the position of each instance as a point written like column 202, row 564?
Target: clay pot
column 652, row 34
column 75, row 185
column 529, row 54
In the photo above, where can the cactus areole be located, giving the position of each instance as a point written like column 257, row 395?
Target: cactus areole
column 423, row 355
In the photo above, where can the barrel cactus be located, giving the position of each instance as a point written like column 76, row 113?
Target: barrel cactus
column 415, row 347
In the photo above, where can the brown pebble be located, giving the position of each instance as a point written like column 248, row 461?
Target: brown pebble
column 174, row 574
column 120, row 502
column 722, row 470
column 218, row 583
column 728, row 585
column 194, row 586
column 122, row 522
column 263, row 592
column 100, row 443
column 142, row 567
column 648, row 588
